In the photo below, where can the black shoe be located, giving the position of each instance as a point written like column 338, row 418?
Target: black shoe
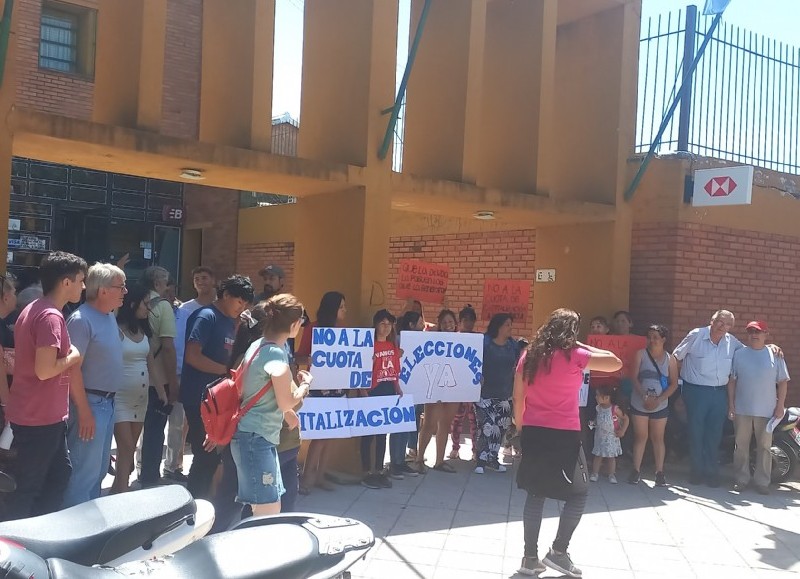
column 661, row 480
column 634, row 477
column 383, row 480
column 176, row 475
column 371, row 482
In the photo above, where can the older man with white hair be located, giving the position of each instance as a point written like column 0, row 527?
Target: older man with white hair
column 93, row 331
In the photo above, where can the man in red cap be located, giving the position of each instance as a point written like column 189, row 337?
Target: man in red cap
column 756, row 393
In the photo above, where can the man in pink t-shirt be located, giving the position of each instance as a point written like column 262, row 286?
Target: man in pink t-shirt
column 38, row 403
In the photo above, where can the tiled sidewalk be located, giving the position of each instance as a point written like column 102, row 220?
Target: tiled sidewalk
column 465, row 525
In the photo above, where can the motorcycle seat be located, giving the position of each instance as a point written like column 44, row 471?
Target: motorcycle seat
column 103, row 529
column 280, row 549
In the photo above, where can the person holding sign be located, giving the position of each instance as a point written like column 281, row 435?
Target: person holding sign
column 493, row 410
column 385, row 368
column 269, row 378
column 546, row 386
column 655, row 377
column 414, row 322
column 438, row 416
column 466, row 410
column 331, row 314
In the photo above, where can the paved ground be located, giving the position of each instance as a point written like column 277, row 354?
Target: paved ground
column 465, row 525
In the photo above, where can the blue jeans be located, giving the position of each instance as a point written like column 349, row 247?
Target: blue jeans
column 155, row 420
column 90, row 458
column 291, row 480
column 397, row 447
column 707, row 410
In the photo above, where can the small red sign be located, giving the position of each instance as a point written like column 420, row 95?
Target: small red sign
column 426, row 282
column 506, row 296
column 720, row 186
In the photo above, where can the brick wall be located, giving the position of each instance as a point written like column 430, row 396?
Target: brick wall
column 44, row 90
column 181, row 99
column 503, row 255
column 682, row 273
column 253, row 257
column 216, row 211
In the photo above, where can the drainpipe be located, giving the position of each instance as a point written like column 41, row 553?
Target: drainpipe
column 401, row 91
column 5, row 31
column 686, row 83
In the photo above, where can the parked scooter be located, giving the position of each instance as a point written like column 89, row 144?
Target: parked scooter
column 287, row 546
column 786, row 446
column 116, row 529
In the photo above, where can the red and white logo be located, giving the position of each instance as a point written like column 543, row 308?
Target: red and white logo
column 720, row 186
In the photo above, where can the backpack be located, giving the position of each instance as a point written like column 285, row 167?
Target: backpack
column 221, row 409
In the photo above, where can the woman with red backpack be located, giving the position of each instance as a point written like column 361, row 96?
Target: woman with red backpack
column 267, row 380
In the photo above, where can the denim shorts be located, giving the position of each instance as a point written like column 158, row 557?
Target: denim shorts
column 258, row 469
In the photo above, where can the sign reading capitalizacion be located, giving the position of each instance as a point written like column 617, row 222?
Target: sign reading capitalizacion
column 723, row 186
column 348, row 417
column 441, row 366
column 506, row 296
column 342, row 358
column 422, row 281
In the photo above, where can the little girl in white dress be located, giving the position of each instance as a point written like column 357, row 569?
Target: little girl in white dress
column 610, row 425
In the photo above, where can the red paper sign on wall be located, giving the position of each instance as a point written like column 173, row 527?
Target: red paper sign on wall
column 422, row 281
column 625, row 347
column 506, row 296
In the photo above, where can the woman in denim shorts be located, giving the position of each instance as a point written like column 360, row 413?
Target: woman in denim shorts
column 254, row 446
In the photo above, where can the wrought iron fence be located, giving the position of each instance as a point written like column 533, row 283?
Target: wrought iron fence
column 743, row 103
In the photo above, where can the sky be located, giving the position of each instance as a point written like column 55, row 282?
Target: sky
column 778, row 19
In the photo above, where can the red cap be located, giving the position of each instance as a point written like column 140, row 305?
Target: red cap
column 760, row 326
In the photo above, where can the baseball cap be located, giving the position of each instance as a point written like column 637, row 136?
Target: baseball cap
column 760, row 326
column 271, row 270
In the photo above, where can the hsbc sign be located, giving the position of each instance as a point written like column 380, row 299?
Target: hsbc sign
column 723, row 186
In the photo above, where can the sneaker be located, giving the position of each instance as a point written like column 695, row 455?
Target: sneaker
column 453, row 455
column 738, row 487
column 496, row 466
column 612, row 478
column 507, row 451
column 661, row 480
column 593, row 477
column 406, row 470
column 562, row 563
column 176, row 475
column 531, row 566
column 396, row 473
column 634, row 477
column 383, row 480
column 478, row 470
column 370, row 481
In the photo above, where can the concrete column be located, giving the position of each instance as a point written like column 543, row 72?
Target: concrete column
column 8, row 93
column 129, row 68
column 349, row 64
column 517, row 99
column 443, row 112
column 236, row 82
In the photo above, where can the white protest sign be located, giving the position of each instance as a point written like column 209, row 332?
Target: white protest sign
column 583, row 394
column 348, row 417
column 341, row 358
column 441, row 366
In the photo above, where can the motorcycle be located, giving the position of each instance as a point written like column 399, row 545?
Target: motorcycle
column 116, row 529
column 785, row 446
column 296, row 545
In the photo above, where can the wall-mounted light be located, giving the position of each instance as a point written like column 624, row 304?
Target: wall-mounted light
column 484, row 215
column 192, row 174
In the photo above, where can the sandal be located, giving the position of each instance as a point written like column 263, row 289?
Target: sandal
column 444, row 467
column 420, row 467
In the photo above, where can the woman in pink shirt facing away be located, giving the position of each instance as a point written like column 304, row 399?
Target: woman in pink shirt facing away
column 546, row 388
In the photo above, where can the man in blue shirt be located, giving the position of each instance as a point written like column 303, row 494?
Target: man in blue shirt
column 210, row 333
column 94, row 332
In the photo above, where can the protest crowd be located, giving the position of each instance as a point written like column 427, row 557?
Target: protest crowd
column 132, row 363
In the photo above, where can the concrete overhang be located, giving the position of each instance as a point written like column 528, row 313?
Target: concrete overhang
column 453, row 199
column 59, row 139
column 572, row 10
